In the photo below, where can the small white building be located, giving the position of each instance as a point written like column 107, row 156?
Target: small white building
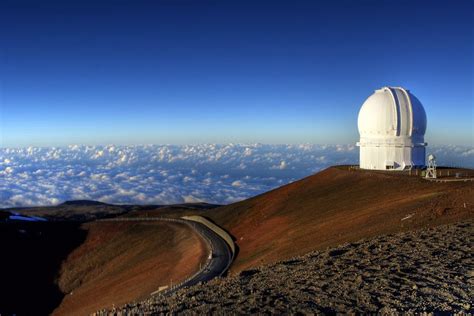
column 392, row 126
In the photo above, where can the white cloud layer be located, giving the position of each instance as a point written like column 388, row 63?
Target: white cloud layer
column 165, row 174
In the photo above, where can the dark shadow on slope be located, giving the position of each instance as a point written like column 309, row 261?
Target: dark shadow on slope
column 31, row 256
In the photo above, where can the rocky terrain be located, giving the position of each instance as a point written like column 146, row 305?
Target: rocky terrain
column 428, row 270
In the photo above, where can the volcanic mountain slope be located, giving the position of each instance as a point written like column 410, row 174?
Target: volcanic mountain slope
column 170, row 211
column 86, row 210
column 81, row 210
column 427, row 270
column 124, row 261
column 85, row 266
column 336, row 206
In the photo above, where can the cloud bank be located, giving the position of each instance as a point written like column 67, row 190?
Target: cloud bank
column 166, row 174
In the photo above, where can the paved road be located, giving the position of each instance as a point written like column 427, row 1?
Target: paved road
column 216, row 264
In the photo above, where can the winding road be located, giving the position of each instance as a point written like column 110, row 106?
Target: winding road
column 220, row 254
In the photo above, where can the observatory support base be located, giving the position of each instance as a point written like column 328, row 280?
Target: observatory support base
column 391, row 157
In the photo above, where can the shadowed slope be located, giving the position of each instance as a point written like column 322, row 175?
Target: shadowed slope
column 81, row 210
column 31, row 254
column 85, row 210
column 335, row 206
column 125, row 261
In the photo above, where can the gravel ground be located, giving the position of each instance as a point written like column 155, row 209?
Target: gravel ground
column 430, row 270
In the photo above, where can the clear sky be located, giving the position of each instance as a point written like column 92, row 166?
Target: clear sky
column 189, row 71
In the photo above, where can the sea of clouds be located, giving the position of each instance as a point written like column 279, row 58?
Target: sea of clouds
column 167, row 174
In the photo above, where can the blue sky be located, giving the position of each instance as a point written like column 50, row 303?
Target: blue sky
column 181, row 72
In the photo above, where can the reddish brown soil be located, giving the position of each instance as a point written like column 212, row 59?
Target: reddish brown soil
column 335, row 206
column 125, row 261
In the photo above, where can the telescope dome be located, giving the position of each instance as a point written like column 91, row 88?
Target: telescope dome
column 392, row 125
column 392, row 112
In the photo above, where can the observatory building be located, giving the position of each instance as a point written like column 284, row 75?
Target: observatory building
column 392, row 125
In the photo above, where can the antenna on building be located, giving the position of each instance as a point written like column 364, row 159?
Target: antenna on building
column 431, row 169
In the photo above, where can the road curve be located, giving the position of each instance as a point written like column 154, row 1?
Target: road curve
column 219, row 259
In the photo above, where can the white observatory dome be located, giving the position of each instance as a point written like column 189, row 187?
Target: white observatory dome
column 392, row 125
